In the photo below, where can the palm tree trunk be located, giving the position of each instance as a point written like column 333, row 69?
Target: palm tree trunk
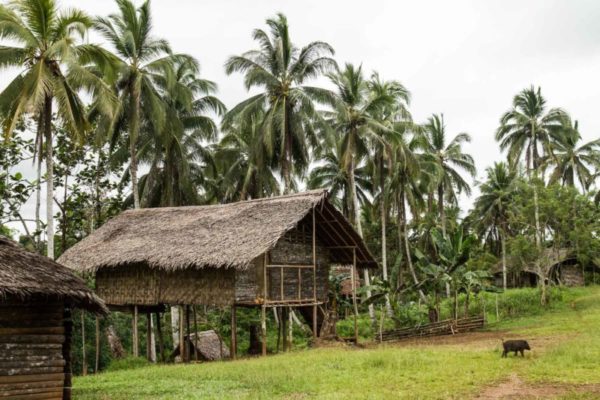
column 538, row 232
column 286, row 162
column 443, row 221
column 357, row 223
column 134, row 130
column 50, row 177
column 441, row 209
column 407, row 248
column 38, row 185
column 503, row 240
column 388, row 305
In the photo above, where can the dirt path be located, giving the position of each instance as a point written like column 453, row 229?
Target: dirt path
column 515, row 388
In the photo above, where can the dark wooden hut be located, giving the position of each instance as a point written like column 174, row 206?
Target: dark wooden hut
column 565, row 269
column 273, row 252
column 36, row 296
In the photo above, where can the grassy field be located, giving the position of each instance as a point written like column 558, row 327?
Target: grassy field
column 565, row 363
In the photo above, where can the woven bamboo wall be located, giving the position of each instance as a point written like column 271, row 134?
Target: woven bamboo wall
column 140, row 285
column 248, row 283
column 294, row 248
column 31, row 350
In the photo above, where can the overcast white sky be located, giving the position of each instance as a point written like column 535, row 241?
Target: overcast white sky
column 466, row 59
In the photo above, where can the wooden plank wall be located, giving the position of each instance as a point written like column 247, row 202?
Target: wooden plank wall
column 31, row 350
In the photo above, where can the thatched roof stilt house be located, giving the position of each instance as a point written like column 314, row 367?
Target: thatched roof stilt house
column 36, row 298
column 273, row 252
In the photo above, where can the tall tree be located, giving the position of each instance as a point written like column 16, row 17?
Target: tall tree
column 140, row 60
column 330, row 172
column 525, row 130
column 177, row 154
column 281, row 71
column 355, row 122
column 53, row 63
column 410, row 176
column 569, row 161
column 492, row 207
column 354, row 118
column 450, row 160
column 242, row 153
column 393, row 114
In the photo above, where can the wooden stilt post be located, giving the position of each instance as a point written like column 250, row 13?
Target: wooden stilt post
column 149, row 336
column 181, row 343
column 135, row 344
column 97, row 360
column 161, row 345
column 83, row 358
column 233, row 349
column 263, row 308
column 196, row 336
column 354, row 304
column 283, row 325
column 187, row 328
column 314, row 257
column 290, row 329
column 263, row 328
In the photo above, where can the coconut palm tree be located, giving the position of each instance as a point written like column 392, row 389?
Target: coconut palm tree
column 331, row 173
column 354, row 119
column 394, row 114
column 281, row 71
column 142, row 62
column 570, row 161
column 410, row 177
column 450, row 160
column 46, row 45
column 176, row 154
column 492, row 207
column 526, row 130
column 242, row 154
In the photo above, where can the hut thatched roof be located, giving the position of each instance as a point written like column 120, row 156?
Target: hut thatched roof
column 210, row 346
column 24, row 274
column 218, row 236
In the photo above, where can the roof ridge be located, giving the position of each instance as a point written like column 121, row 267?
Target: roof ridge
column 262, row 199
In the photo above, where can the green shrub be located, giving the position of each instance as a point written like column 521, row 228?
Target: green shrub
column 511, row 303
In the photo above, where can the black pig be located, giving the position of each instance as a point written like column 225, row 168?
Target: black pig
column 518, row 346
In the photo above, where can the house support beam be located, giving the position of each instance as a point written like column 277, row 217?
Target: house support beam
column 233, row 349
column 354, row 304
column 161, row 345
column 134, row 330
column 149, row 336
column 263, row 328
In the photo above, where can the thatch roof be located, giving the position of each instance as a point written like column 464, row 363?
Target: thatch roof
column 218, row 236
column 550, row 257
column 24, row 275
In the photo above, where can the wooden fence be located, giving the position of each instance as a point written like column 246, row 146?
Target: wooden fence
column 446, row 327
